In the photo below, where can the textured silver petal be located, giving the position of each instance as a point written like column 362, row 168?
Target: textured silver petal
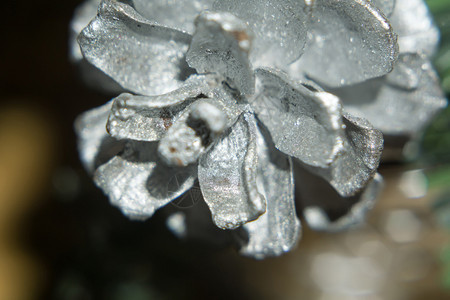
column 178, row 14
column 278, row 230
column 414, row 25
column 386, row 6
column 143, row 118
column 83, row 14
column 147, row 118
column 141, row 56
column 357, row 161
column 227, row 176
column 303, row 123
column 90, row 75
column 94, row 144
column 138, row 183
column 325, row 210
column 401, row 103
column 279, row 26
column 221, row 44
column 230, row 100
column 350, row 41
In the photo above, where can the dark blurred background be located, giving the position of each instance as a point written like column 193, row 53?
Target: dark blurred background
column 60, row 238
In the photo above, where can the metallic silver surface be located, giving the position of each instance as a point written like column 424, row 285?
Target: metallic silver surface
column 350, row 41
column 401, row 103
column 177, row 14
column 144, row 118
column 94, row 144
column 414, row 25
column 91, row 76
column 213, row 118
column 221, row 44
column 386, row 6
column 280, row 28
column 278, row 230
column 81, row 18
column 227, row 176
column 356, row 162
column 240, row 131
column 147, row 118
column 191, row 134
column 141, row 56
column 139, row 183
column 181, row 145
column 303, row 123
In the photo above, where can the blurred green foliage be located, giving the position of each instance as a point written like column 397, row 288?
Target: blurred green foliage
column 436, row 141
column 445, row 259
column 441, row 12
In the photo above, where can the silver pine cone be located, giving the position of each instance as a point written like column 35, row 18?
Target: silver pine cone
column 231, row 97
